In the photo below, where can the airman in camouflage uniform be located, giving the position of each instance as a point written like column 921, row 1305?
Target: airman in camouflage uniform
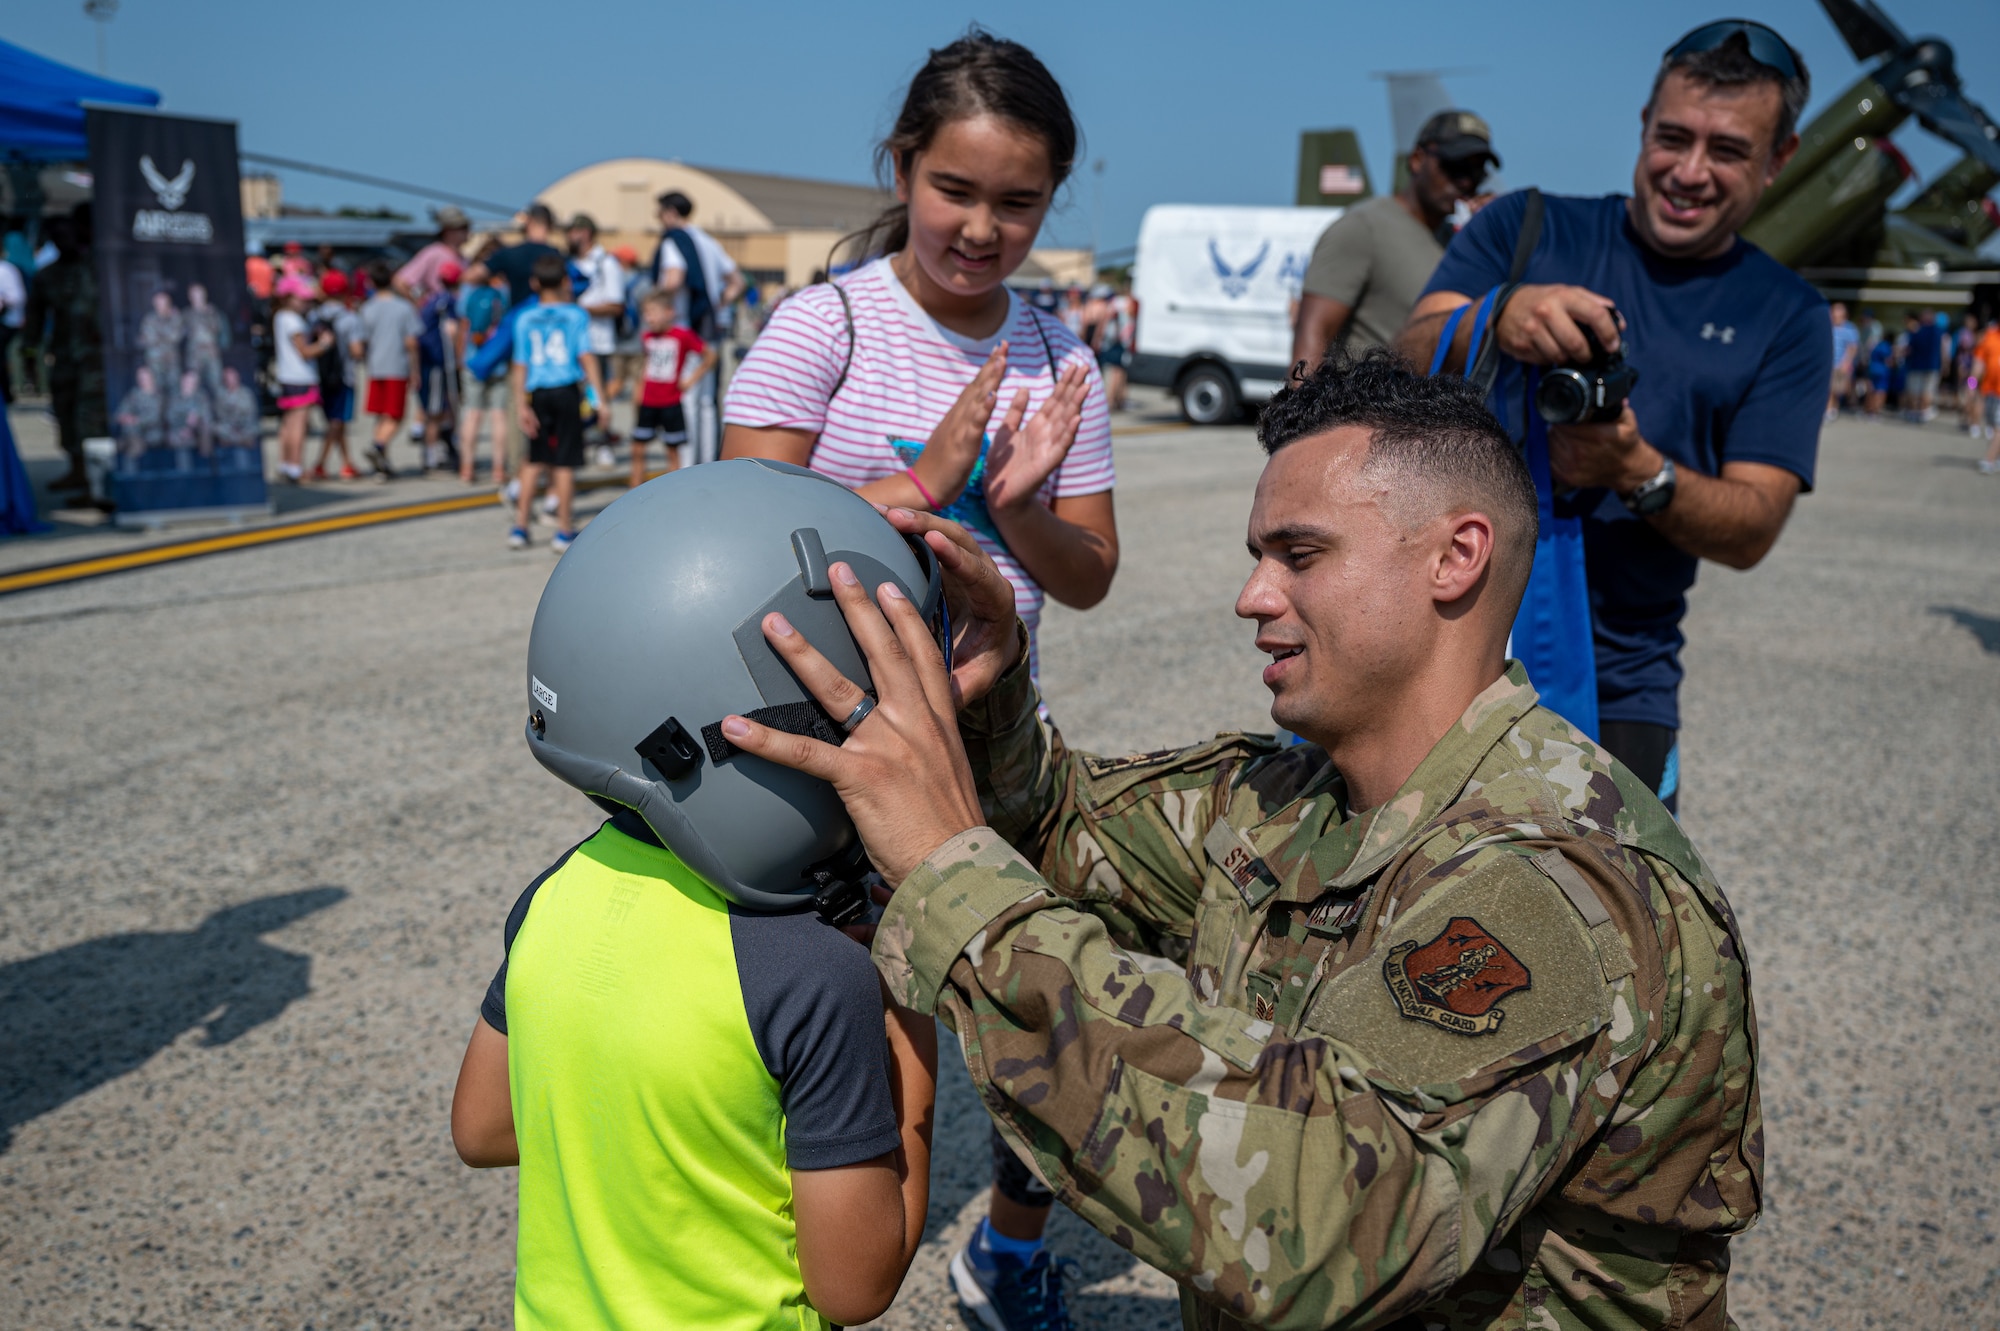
column 206, row 336
column 190, row 422
column 61, row 322
column 141, row 419
column 1443, row 1025
column 236, row 414
column 1479, row 1057
column 160, row 335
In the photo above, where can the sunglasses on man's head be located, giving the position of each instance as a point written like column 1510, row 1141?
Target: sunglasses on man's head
column 1767, row 48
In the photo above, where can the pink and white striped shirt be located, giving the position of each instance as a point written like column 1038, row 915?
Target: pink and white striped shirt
column 905, row 373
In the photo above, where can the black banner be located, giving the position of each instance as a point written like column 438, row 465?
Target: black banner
column 176, row 314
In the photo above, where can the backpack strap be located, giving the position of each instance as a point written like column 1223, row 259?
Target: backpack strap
column 847, row 362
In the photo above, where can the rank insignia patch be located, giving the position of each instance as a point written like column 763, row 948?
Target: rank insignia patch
column 1454, row 980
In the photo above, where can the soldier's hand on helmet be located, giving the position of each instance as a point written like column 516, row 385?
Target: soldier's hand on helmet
column 1542, row 325
column 902, row 772
column 984, row 644
column 953, row 450
column 1025, row 455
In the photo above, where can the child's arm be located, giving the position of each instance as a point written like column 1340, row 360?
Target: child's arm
column 859, row 1225
column 522, row 411
column 482, row 1107
column 592, row 373
column 701, row 369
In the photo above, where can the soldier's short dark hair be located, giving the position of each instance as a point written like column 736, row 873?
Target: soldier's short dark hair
column 1731, row 65
column 1433, row 433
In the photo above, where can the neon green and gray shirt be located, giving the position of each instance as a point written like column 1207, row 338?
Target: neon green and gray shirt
column 672, row 1059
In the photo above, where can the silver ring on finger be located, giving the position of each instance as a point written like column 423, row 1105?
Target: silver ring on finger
column 859, row 714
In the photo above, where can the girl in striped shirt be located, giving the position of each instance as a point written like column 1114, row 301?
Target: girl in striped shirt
column 919, row 379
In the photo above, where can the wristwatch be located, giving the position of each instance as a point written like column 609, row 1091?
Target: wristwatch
column 1653, row 495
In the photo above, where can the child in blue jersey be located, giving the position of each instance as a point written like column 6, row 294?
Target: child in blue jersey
column 552, row 371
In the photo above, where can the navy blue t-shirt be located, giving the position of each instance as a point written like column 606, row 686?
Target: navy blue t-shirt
column 1925, row 345
column 1734, row 358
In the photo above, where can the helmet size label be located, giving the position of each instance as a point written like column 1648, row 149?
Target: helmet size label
column 544, row 695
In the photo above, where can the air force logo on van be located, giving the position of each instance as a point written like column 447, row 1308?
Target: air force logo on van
column 1236, row 281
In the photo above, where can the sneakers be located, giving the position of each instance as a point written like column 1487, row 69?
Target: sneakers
column 316, row 474
column 378, row 458
column 1988, row 468
column 550, row 504
column 517, row 539
column 605, row 457
column 348, row 473
column 510, row 493
column 561, row 541
column 1005, row 1293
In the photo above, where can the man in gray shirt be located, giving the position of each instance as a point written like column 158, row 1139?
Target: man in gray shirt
column 1370, row 267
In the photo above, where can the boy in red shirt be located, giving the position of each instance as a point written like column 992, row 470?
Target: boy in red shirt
column 675, row 360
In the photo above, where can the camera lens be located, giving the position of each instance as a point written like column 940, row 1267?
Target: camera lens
column 1563, row 396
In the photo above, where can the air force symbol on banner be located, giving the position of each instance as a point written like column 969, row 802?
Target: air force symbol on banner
column 166, row 222
column 173, row 193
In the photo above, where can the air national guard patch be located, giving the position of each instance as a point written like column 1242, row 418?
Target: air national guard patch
column 1455, row 980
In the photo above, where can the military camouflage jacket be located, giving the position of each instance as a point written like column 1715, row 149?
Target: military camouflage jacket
column 63, row 297
column 1482, row 1056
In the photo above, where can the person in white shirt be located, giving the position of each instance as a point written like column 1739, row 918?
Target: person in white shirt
column 703, row 297
column 603, row 299
column 13, row 313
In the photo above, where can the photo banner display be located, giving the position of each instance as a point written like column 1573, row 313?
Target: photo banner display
column 176, row 315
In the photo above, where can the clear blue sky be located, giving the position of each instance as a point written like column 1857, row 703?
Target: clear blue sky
column 1185, row 103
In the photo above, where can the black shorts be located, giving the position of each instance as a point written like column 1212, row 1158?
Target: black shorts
column 558, row 440
column 667, row 424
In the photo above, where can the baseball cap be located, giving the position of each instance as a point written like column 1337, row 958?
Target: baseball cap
column 334, row 283
column 448, row 273
column 1457, row 136
column 297, row 286
column 451, row 216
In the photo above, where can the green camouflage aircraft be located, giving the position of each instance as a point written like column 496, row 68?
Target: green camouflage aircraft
column 1827, row 214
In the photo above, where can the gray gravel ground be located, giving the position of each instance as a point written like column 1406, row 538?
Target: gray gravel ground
column 263, row 814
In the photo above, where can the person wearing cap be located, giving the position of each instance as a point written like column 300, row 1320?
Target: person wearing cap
column 440, row 351
column 1370, row 266
column 1733, row 352
column 418, row 278
column 335, row 314
column 602, row 296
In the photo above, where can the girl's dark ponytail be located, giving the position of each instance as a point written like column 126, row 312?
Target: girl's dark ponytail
column 979, row 74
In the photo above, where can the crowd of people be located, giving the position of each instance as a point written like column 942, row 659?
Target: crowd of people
column 1918, row 371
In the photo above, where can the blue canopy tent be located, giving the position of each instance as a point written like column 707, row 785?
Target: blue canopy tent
column 41, row 120
column 41, row 105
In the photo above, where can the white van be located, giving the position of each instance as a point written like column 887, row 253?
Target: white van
column 1215, row 287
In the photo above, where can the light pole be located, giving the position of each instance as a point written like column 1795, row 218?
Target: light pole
column 102, row 11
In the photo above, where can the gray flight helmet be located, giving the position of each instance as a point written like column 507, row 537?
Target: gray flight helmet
column 649, row 632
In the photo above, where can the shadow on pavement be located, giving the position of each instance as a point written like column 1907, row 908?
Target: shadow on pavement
column 83, row 1015
column 1986, row 628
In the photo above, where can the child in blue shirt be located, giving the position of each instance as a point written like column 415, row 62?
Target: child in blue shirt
column 551, row 372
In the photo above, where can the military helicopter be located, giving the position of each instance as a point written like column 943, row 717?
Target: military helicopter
column 1827, row 213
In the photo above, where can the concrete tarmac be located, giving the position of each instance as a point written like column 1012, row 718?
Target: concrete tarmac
column 263, row 815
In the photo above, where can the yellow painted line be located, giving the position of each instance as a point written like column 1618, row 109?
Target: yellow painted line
column 97, row 566
column 125, row 561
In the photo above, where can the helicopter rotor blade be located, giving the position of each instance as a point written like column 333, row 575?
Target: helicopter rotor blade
column 1947, row 113
column 1867, row 31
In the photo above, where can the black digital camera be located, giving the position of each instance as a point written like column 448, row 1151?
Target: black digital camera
column 1593, row 391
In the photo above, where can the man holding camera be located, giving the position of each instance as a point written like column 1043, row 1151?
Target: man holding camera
column 1732, row 352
